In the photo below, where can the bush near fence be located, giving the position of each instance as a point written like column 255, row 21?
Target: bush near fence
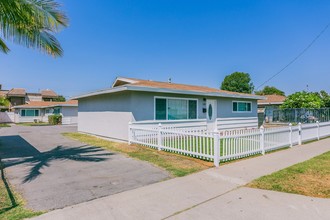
column 225, row 145
column 55, row 119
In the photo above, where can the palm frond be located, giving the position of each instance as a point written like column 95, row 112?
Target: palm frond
column 3, row 47
column 32, row 23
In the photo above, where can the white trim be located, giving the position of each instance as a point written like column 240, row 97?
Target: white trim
column 168, row 121
column 123, row 79
column 167, row 98
column 232, row 107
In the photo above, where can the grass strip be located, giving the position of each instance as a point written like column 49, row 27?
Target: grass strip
column 177, row 165
column 309, row 178
column 11, row 203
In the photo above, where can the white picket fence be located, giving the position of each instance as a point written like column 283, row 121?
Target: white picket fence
column 221, row 123
column 225, row 145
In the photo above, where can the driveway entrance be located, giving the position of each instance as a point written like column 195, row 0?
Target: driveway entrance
column 52, row 171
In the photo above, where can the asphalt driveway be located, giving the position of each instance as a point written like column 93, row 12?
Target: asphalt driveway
column 52, row 171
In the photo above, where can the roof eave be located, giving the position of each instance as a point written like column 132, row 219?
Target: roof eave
column 270, row 103
column 101, row 92
column 16, row 95
column 50, row 106
column 175, row 91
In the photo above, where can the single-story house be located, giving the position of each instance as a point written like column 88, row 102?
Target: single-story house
column 40, row 110
column 268, row 105
column 108, row 112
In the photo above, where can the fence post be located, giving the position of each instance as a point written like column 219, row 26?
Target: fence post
column 216, row 151
column 129, row 133
column 318, row 130
column 159, row 137
column 290, row 134
column 299, row 134
column 262, row 139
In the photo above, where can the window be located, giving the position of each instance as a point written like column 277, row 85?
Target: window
column 56, row 111
column 161, row 109
column 175, row 109
column 29, row 112
column 242, row 106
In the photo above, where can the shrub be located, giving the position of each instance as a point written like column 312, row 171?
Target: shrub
column 55, row 119
column 303, row 100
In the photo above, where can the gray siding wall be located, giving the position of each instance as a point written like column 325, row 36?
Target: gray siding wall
column 69, row 111
column 108, row 115
column 118, row 102
column 225, row 108
column 106, row 123
column 143, row 106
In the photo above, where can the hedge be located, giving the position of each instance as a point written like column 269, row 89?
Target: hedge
column 55, row 119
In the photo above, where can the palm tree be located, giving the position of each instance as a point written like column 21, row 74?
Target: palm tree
column 31, row 23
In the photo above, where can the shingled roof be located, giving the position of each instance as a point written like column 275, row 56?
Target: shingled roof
column 169, row 85
column 48, row 93
column 43, row 104
column 20, row 92
column 122, row 83
column 3, row 93
column 272, row 99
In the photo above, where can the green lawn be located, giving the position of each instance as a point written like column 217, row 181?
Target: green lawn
column 11, row 203
column 175, row 164
column 310, row 178
column 3, row 125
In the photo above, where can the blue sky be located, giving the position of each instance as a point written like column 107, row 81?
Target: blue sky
column 193, row 42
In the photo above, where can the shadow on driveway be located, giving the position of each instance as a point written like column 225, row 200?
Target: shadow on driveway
column 14, row 150
column 52, row 171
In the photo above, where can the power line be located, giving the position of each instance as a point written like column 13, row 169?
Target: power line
column 298, row 56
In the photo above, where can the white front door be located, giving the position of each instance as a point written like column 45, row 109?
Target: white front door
column 211, row 114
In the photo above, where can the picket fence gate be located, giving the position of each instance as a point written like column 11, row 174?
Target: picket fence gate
column 225, row 145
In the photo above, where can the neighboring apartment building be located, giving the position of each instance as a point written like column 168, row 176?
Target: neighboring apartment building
column 19, row 96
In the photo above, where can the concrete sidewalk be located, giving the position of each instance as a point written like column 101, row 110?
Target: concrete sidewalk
column 216, row 193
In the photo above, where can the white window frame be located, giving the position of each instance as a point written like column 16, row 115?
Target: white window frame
column 167, row 98
column 29, row 109
column 232, row 107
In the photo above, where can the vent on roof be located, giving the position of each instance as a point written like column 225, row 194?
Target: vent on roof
column 170, row 80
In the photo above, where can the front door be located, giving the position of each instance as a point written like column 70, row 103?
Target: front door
column 211, row 114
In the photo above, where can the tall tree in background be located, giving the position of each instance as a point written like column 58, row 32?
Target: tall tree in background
column 60, row 98
column 31, row 23
column 270, row 90
column 238, row 82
